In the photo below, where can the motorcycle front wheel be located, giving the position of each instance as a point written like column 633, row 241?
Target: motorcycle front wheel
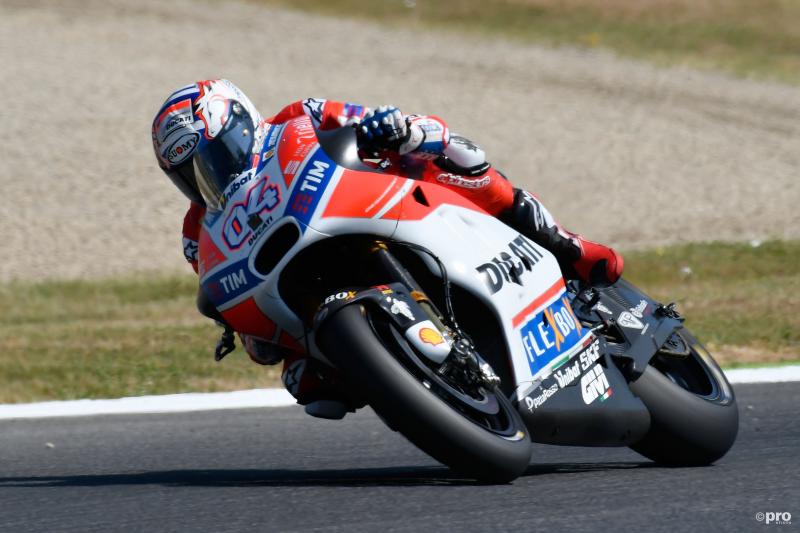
column 478, row 435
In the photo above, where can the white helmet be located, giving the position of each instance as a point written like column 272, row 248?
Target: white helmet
column 204, row 136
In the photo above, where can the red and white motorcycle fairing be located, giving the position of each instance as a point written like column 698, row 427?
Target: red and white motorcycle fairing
column 296, row 190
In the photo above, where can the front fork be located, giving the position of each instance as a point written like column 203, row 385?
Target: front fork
column 463, row 358
column 397, row 272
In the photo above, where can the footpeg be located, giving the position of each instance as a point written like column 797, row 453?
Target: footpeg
column 225, row 345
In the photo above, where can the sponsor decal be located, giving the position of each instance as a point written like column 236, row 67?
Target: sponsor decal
column 590, row 355
column 566, row 375
column 176, row 121
column 639, row 309
column 603, row 309
column 463, row 181
column 172, row 117
column 302, row 151
column 429, row 126
column 510, row 267
column 229, row 283
column 313, row 178
column 385, row 289
column 430, row 336
column 311, row 185
column 190, row 249
column 627, row 320
column 594, row 385
column 273, row 136
column 344, row 295
column 429, row 341
column 261, row 225
column 353, row 110
column 292, row 375
column 399, row 307
column 313, row 108
column 550, row 333
column 291, row 167
column 181, row 148
column 233, row 281
column 538, row 401
column 234, row 187
column 466, row 143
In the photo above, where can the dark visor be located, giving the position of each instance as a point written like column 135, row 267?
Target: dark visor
column 225, row 157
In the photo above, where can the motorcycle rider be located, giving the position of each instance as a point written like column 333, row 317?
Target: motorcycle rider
column 207, row 133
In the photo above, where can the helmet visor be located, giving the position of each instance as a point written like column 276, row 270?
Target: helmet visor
column 220, row 161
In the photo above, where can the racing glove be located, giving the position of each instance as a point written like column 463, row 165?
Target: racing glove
column 386, row 128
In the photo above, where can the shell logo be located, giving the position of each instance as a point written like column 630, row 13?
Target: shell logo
column 430, row 336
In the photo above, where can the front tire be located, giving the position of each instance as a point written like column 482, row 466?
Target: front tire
column 694, row 416
column 494, row 454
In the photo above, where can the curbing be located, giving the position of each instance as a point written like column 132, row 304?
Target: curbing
column 181, row 403
column 169, row 403
column 765, row 374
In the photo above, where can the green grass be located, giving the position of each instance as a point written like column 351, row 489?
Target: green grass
column 737, row 298
column 101, row 339
column 753, row 38
column 142, row 335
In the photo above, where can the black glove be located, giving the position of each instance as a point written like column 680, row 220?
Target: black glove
column 383, row 129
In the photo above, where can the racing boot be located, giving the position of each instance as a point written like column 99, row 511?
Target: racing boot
column 262, row 351
column 579, row 258
column 318, row 387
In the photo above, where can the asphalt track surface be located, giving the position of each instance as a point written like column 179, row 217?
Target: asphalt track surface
column 279, row 470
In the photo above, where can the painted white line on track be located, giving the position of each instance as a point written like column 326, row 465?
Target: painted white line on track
column 769, row 374
column 181, row 403
column 169, row 403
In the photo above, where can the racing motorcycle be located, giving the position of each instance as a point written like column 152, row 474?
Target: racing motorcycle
column 459, row 332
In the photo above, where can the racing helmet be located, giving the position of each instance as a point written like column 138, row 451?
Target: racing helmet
column 204, row 136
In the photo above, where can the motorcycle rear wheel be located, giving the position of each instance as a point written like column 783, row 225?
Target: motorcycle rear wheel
column 694, row 416
column 493, row 447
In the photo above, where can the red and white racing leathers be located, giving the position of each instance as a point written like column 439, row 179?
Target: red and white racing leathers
column 433, row 155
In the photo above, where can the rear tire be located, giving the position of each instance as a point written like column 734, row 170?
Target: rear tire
column 694, row 416
column 349, row 340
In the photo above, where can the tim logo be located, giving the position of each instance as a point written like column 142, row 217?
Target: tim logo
column 311, row 187
column 233, row 281
column 313, row 179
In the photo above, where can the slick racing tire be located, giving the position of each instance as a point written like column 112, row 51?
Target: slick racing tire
column 694, row 417
column 497, row 451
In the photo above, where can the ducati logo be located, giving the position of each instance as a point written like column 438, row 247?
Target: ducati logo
column 510, row 267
